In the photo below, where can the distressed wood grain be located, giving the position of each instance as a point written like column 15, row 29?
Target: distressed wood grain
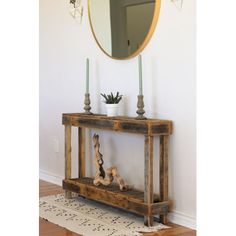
column 81, row 152
column 148, row 176
column 120, row 124
column 163, row 172
column 67, row 156
column 149, row 205
column 132, row 200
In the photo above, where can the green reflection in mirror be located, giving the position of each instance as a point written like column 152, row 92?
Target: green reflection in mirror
column 122, row 28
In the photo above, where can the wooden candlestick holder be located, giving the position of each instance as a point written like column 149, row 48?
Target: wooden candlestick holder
column 140, row 110
column 87, row 106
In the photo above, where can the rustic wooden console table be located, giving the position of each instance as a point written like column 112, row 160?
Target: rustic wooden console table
column 143, row 203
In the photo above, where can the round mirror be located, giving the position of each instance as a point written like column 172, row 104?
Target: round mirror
column 122, row 28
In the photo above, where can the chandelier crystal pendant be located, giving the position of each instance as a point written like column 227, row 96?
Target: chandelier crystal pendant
column 76, row 9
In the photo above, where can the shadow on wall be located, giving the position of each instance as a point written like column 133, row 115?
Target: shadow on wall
column 124, row 106
column 154, row 77
column 98, row 87
column 113, row 156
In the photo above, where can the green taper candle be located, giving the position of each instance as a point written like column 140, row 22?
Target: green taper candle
column 140, row 75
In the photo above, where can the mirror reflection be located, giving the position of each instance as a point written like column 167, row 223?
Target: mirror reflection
column 123, row 27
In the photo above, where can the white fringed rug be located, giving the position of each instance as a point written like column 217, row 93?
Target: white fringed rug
column 89, row 218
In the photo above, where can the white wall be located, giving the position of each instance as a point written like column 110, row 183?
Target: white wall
column 136, row 33
column 169, row 88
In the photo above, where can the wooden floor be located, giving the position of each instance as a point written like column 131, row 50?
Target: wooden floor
column 48, row 229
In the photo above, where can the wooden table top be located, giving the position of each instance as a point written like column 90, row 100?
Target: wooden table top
column 118, row 123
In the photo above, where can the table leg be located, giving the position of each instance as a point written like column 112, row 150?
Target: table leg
column 163, row 173
column 68, row 157
column 81, row 152
column 148, row 176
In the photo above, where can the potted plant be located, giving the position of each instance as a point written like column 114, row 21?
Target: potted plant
column 112, row 103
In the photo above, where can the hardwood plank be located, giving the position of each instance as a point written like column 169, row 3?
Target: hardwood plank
column 122, row 124
column 49, row 229
column 163, row 152
column 113, row 196
column 67, row 156
column 148, row 176
column 133, row 127
column 114, row 187
column 81, row 152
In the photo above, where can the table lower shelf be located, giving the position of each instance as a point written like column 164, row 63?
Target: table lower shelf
column 131, row 200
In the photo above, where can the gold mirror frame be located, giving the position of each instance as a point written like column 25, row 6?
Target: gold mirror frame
column 147, row 38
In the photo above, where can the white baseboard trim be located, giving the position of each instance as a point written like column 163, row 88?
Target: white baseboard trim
column 51, row 178
column 182, row 219
column 174, row 217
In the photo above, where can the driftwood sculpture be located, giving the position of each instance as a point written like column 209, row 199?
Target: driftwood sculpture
column 105, row 177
